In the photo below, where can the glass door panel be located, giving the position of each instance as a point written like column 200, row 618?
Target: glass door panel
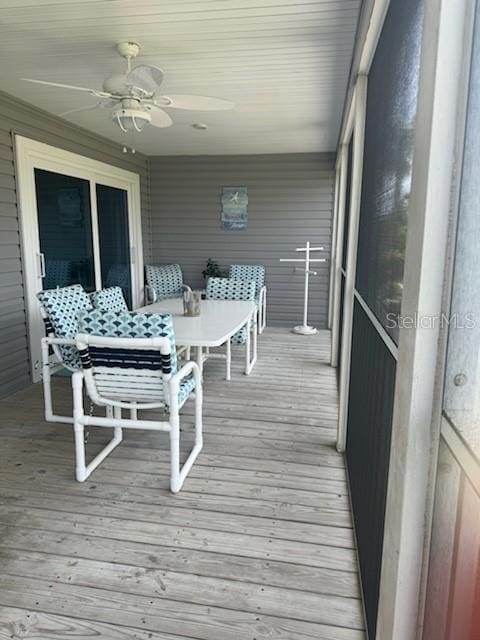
column 114, row 239
column 65, row 230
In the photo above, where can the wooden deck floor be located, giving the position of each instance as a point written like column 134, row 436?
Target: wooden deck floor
column 257, row 546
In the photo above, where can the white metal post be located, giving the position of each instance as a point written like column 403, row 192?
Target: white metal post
column 356, row 189
column 307, row 280
column 339, row 255
column 334, row 246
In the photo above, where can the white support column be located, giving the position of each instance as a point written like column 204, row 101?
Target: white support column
column 416, row 423
column 333, row 245
column 339, row 254
column 356, row 189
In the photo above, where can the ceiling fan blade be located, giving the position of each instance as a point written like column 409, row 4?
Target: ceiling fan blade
column 93, row 92
column 70, row 111
column 160, row 118
column 198, row 103
column 145, row 77
column 98, row 105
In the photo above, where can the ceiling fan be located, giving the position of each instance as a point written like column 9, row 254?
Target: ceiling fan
column 132, row 96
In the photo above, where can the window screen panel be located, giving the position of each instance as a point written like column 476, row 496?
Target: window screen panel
column 388, row 157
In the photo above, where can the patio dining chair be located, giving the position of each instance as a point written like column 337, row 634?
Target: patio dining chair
column 256, row 273
column 118, row 275
column 109, row 299
column 59, row 308
column 57, row 273
column 129, row 362
column 231, row 289
column 162, row 282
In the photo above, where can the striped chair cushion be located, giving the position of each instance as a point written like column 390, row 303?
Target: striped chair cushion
column 129, row 324
column 132, row 325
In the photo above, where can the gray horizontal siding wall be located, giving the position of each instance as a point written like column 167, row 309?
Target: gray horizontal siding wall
column 290, row 201
column 18, row 117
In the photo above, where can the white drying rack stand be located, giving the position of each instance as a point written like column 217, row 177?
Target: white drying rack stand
column 304, row 328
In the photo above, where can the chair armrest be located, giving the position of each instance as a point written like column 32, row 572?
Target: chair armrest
column 174, row 382
column 55, row 343
column 52, row 340
column 189, row 367
column 150, row 294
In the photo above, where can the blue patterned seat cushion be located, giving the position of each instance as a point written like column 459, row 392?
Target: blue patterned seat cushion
column 249, row 272
column 128, row 324
column 110, row 299
column 62, row 306
column 166, row 280
column 132, row 324
column 231, row 289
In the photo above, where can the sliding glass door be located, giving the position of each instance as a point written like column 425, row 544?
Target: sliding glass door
column 113, row 235
column 80, row 224
column 65, row 230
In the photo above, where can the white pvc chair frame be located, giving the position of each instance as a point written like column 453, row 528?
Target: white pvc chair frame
column 47, row 366
column 171, row 385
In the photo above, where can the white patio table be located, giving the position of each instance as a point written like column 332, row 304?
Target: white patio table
column 218, row 321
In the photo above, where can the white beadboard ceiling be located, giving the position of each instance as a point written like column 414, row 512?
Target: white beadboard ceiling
column 284, row 63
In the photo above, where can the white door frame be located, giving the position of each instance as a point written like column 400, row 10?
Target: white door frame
column 31, row 154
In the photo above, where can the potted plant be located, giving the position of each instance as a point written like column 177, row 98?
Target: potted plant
column 212, row 270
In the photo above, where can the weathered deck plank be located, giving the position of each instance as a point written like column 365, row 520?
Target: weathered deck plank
column 258, row 544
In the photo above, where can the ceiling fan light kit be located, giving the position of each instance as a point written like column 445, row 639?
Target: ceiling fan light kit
column 133, row 97
column 130, row 116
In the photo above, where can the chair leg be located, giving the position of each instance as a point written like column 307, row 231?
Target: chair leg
column 228, row 347
column 117, row 431
column 175, row 484
column 199, row 417
column 251, row 342
column 47, row 384
column 78, row 427
column 82, row 471
column 262, row 311
column 47, row 388
column 200, row 358
column 177, row 475
column 264, row 314
column 80, row 468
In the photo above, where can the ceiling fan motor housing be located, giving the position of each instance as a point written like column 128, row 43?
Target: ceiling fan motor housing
column 131, row 118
